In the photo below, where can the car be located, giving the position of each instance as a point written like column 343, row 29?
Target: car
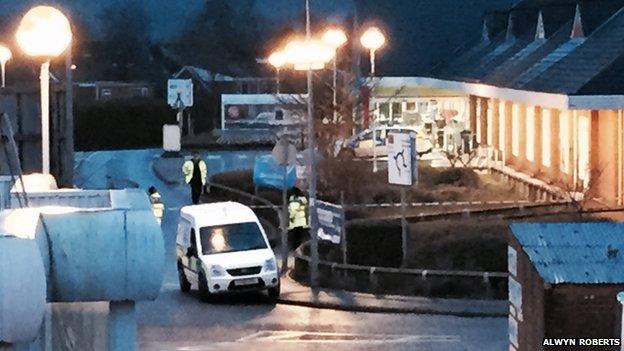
column 361, row 145
column 222, row 248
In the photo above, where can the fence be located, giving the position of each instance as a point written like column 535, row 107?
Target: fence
column 22, row 105
column 400, row 281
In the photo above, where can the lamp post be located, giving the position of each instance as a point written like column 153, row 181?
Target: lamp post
column 5, row 56
column 277, row 60
column 308, row 55
column 45, row 33
column 335, row 38
column 373, row 39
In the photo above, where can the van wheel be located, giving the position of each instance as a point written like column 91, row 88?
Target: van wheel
column 274, row 292
column 185, row 285
column 204, row 293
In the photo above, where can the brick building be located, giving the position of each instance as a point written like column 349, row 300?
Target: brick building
column 544, row 93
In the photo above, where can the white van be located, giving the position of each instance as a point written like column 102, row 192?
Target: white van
column 221, row 248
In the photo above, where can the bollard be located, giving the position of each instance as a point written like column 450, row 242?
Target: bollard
column 373, row 279
column 6, row 183
column 488, row 288
column 122, row 327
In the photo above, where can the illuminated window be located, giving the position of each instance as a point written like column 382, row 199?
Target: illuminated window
column 583, row 149
column 490, row 122
column 501, row 126
column 515, row 130
column 478, row 126
column 564, row 141
column 530, row 133
column 546, row 137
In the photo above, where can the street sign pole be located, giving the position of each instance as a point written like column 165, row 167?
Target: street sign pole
column 403, row 171
column 285, row 216
column 404, row 227
column 343, row 242
column 284, row 154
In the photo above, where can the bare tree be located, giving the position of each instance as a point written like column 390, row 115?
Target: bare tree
column 581, row 193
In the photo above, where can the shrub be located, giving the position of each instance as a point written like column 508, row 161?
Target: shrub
column 374, row 243
column 465, row 177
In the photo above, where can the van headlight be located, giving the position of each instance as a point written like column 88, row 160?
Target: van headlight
column 270, row 265
column 216, row 271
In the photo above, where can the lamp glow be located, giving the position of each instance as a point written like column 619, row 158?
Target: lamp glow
column 334, row 37
column 308, row 54
column 5, row 54
column 277, row 59
column 373, row 39
column 44, row 32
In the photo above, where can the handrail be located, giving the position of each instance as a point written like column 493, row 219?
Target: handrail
column 412, row 271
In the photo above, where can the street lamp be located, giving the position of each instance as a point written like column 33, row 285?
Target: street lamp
column 44, row 32
column 5, row 56
column 310, row 54
column 373, row 39
column 277, row 60
column 335, row 38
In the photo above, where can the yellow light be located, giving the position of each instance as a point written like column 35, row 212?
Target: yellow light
column 308, row 54
column 373, row 38
column 44, row 32
column 218, row 240
column 5, row 54
column 334, row 37
column 277, row 59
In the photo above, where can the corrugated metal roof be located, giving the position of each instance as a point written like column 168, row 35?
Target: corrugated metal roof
column 581, row 253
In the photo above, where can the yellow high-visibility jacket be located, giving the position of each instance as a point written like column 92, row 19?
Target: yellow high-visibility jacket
column 188, row 167
column 297, row 209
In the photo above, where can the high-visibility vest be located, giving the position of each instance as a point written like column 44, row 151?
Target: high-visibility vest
column 297, row 209
column 189, row 166
column 157, row 206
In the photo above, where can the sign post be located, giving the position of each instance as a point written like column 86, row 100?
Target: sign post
column 179, row 97
column 284, row 154
column 403, row 171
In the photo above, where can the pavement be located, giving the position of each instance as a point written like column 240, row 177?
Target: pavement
column 294, row 293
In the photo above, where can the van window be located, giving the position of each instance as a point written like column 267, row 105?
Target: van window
column 231, row 238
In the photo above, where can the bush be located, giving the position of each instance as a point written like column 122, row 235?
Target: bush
column 374, row 243
column 465, row 177
column 118, row 124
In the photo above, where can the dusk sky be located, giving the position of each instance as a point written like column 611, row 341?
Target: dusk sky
column 168, row 16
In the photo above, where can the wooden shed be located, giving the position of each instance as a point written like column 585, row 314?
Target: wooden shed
column 563, row 284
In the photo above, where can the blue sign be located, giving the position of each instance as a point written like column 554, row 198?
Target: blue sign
column 331, row 219
column 269, row 174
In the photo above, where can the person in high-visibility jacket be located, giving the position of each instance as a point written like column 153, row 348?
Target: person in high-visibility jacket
column 298, row 213
column 158, row 207
column 195, row 174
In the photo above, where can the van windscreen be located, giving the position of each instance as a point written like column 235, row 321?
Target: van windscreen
column 231, row 238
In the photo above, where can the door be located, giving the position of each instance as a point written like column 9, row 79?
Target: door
column 192, row 263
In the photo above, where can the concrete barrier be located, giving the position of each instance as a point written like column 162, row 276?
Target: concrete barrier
column 22, row 290
column 113, row 254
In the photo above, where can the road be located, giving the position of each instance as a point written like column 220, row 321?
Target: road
column 176, row 321
column 249, row 322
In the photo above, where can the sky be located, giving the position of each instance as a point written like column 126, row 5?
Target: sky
column 168, row 16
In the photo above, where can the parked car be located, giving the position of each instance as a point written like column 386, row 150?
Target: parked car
column 222, row 248
column 361, row 145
